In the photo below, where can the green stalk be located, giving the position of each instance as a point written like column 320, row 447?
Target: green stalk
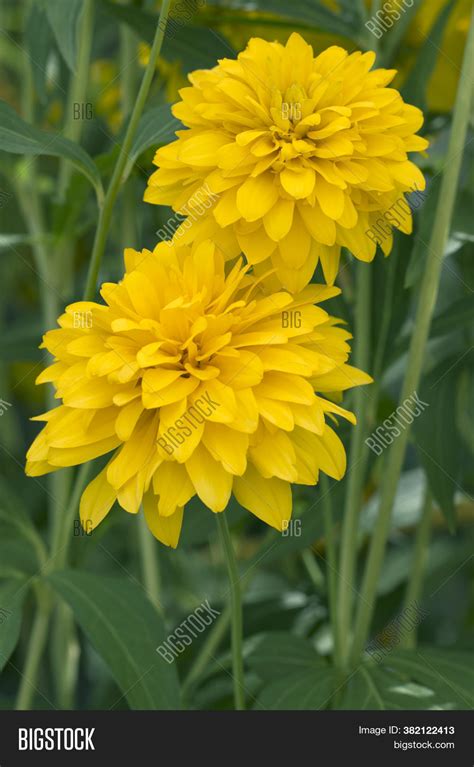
column 129, row 73
column 375, row 387
column 207, row 651
column 314, row 571
column 331, row 565
column 425, row 308
column 149, row 562
column 64, row 249
column 39, row 633
column 77, row 91
column 415, row 583
column 105, row 214
column 65, row 655
column 236, row 611
column 219, row 629
column 355, row 481
column 63, row 531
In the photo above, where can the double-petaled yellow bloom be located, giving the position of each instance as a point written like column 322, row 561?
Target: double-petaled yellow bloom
column 299, row 156
column 197, row 381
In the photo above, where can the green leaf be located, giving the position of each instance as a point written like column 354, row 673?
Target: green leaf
column 17, row 556
column 458, row 316
column 394, row 37
column 125, row 629
column 315, row 15
column 414, row 90
column 38, row 40
column 435, row 435
column 449, row 674
column 156, row 127
column 304, row 690
column 465, row 407
column 63, row 18
column 424, row 678
column 295, row 676
column 425, row 222
column 12, row 596
column 279, row 653
column 196, row 47
column 21, row 343
column 18, row 137
column 373, row 687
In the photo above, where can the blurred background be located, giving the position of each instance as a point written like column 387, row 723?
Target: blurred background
column 56, row 85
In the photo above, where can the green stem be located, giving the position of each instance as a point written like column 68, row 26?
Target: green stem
column 37, row 642
column 128, row 69
column 149, row 562
column 331, row 566
column 105, row 214
column 221, row 625
column 39, row 634
column 236, row 610
column 65, row 654
column 424, row 312
column 128, row 83
column 63, row 532
column 375, row 388
column 313, row 569
column 415, row 583
column 355, row 481
column 30, row 206
column 207, row 651
column 77, row 89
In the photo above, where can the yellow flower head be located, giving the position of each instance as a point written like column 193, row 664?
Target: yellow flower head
column 299, row 156
column 197, row 382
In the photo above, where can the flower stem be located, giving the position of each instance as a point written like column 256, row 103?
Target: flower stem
column 105, row 214
column 77, row 89
column 63, row 532
column 207, row 651
column 331, row 566
column 39, row 634
column 314, row 571
column 424, row 312
column 355, row 482
column 149, row 562
column 236, row 610
column 36, row 646
column 415, row 582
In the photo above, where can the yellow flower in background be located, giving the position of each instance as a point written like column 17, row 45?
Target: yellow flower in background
column 305, row 154
column 107, row 92
column 107, row 86
column 171, row 72
column 197, row 382
column 443, row 82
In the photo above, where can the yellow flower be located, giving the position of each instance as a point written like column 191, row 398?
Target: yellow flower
column 198, row 383
column 107, row 93
column 170, row 72
column 305, row 155
column 442, row 85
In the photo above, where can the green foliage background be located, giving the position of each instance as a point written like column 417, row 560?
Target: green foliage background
column 100, row 622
